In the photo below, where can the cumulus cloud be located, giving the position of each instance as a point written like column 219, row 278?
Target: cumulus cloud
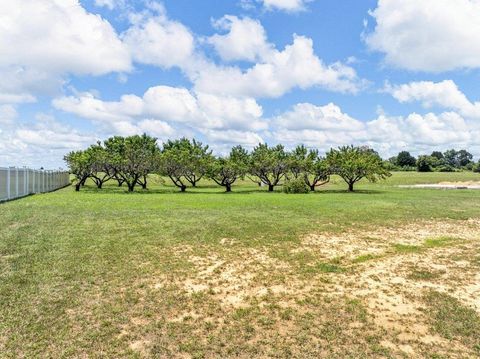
column 246, row 39
column 282, row 5
column 110, row 4
column 297, row 66
column 43, row 40
column 444, row 94
column 41, row 143
column 167, row 104
column 8, row 114
column 427, row 35
column 154, row 39
column 286, row 5
column 327, row 126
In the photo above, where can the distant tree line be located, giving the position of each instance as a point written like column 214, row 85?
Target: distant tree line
column 448, row 161
column 130, row 160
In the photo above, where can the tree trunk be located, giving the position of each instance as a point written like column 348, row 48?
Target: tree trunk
column 194, row 184
column 99, row 185
column 350, row 187
column 312, row 188
column 77, row 187
column 229, row 187
column 270, row 188
column 131, row 187
column 183, row 188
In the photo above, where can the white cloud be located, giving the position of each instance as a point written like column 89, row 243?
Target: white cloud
column 43, row 40
column 285, row 5
column 444, row 94
column 41, row 143
column 168, row 104
column 428, row 35
column 328, row 118
column 8, row 114
column 110, row 4
column 327, row 126
column 279, row 72
column 246, row 39
column 155, row 40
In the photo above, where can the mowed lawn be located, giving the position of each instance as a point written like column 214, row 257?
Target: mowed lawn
column 157, row 273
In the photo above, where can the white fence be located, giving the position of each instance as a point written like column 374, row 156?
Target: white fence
column 19, row 182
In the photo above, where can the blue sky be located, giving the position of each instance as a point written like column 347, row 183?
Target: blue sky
column 392, row 74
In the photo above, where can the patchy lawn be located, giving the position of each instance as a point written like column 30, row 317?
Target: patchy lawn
column 384, row 272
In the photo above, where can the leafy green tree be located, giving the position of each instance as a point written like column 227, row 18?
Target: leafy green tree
column 308, row 165
column 355, row 163
column 101, row 171
column 298, row 161
column 450, row 157
column 476, row 167
column 464, row 158
column 225, row 171
column 200, row 158
column 174, row 162
column 132, row 158
column 457, row 159
column 437, row 154
column 80, row 165
column 269, row 164
column 426, row 163
column 405, row 159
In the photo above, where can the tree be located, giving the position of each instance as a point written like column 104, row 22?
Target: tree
column 269, row 164
column 225, row 171
column 476, row 167
column 101, row 170
column 426, row 163
column 174, row 162
column 457, row 159
column 405, row 159
column 464, row 158
column 450, row 157
column 309, row 166
column 80, row 165
column 355, row 163
column 132, row 158
column 199, row 155
column 437, row 154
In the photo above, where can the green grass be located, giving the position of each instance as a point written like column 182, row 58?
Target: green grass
column 452, row 319
column 77, row 270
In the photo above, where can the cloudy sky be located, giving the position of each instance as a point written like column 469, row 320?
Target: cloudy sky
column 392, row 74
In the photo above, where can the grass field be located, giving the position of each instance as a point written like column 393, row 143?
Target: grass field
column 382, row 272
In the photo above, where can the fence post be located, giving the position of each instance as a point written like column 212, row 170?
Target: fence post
column 25, row 180
column 16, row 181
column 8, row 183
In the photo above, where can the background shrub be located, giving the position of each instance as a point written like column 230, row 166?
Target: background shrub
column 296, row 185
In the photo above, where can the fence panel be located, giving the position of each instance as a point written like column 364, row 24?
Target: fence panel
column 19, row 182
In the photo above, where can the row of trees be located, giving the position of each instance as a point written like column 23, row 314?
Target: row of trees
column 129, row 161
column 448, row 161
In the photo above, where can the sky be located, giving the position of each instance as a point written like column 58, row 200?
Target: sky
column 391, row 74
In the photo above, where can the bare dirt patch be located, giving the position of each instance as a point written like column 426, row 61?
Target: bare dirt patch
column 387, row 269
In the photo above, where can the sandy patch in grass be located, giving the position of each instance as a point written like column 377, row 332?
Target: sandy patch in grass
column 390, row 281
column 353, row 243
column 233, row 282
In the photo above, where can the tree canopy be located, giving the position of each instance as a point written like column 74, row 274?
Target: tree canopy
column 355, row 163
column 269, row 164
